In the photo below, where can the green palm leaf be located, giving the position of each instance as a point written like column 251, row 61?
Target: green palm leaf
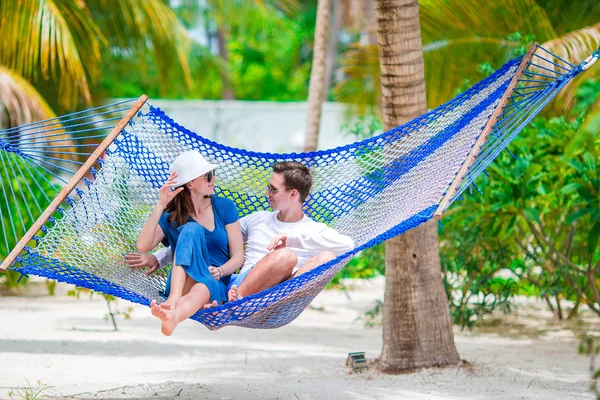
column 134, row 26
column 460, row 35
column 567, row 15
column 22, row 103
column 41, row 41
column 574, row 47
column 361, row 88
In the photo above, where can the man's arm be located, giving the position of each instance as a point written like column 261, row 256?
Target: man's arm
column 151, row 261
column 322, row 238
column 164, row 257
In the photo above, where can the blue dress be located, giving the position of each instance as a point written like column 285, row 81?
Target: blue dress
column 196, row 248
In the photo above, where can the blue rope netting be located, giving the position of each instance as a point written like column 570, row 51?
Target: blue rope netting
column 371, row 190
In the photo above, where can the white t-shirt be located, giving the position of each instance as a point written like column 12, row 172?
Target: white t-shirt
column 306, row 238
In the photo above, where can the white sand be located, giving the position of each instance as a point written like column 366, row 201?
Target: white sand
column 66, row 343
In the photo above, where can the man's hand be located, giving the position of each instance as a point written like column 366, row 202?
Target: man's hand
column 278, row 242
column 141, row 260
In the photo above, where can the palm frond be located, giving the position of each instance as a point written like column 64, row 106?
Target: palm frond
column 452, row 66
column 253, row 18
column 41, row 40
column 461, row 35
column 445, row 73
column 568, row 15
column 145, row 25
column 454, row 19
column 574, row 47
column 21, row 104
column 361, row 86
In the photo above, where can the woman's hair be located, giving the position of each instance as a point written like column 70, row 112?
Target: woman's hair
column 180, row 208
column 297, row 176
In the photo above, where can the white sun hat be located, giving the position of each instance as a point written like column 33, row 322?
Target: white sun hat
column 189, row 165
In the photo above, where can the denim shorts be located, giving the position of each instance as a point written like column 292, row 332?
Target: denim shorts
column 237, row 279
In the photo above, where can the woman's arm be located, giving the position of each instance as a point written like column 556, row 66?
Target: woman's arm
column 236, row 249
column 152, row 233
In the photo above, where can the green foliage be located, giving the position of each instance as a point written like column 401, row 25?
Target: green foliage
column 109, row 299
column 369, row 263
column 266, row 56
column 363, row 127
column 522, row 43
column 24, row 195
column 374, row 316
column 274, row 67
column 535, row 229
column 29, row 392
column 12, row 279
column 470, row 265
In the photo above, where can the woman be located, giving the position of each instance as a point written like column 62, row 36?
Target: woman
column 204, row 234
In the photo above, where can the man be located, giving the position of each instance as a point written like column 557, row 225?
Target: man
column 280, row 245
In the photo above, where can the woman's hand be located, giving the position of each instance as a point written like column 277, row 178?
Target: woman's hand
column 166, row 192
column 216, row 273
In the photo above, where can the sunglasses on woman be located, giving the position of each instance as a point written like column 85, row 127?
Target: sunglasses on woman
column 209, row 175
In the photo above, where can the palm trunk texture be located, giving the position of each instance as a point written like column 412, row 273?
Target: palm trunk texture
column 316, row 91
column 417, row 330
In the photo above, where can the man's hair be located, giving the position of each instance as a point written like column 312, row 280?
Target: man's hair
column 297, row 176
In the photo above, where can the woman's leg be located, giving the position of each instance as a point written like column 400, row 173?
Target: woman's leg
column 187, row 306
column 190, row 256
column 189, row 284
column 178, row 281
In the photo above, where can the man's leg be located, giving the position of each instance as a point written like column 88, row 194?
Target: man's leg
column 272, row 269
column 314, row 262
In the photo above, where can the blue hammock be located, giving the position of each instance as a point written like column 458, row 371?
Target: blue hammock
column 371, row 190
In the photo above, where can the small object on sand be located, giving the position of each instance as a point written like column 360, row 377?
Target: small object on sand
column 357, row 361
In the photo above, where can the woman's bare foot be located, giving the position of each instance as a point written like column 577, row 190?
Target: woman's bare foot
column 169, row 321
column 155, row 309
column 170, row 303
column 168, row 318
column 233, row 294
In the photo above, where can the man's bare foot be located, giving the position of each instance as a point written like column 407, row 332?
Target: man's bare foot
column 210, row 305
column 233, row 294
column 169, row 304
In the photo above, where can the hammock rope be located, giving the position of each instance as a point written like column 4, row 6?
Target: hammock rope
column 371, row 190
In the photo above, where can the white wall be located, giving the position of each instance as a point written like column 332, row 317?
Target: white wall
column 256, row 125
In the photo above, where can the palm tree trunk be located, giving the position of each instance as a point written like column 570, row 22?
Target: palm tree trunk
column 417, row 331
column 316, row 91
column 227, row 91
column 332, row 44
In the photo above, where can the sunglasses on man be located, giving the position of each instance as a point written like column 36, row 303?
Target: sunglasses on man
column 272, row 190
